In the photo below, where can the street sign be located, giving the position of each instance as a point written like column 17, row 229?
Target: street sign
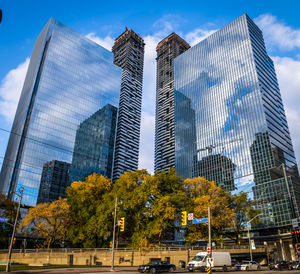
column 208, row 250
column 199, row 221
column 298, row 248
column 210, row 262
column 4, row 220
column 295, row 223
column 191, row 216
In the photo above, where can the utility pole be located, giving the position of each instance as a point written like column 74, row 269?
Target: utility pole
column 113, row 241
column 209, row 232
column 209, row 260
column 14, row 231
column 290, row 198
column 248, row 225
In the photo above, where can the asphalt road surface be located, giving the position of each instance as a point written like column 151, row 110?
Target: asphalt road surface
column 132, row 271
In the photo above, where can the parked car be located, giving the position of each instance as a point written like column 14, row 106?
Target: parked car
column 280, row 265
column 220, row 260
column 157, row 267
column 248, row 265
column 295, row 265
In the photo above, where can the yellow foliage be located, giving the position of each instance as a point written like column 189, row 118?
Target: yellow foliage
column 48, row 220
column 202, row 194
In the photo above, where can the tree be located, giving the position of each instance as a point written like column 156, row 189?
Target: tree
column 84, row 198
column 202, row 194
column 149, row 203
column 8, row 209
column 132, row 190
column 48, row 220
column 244, row 211
column 169, row 200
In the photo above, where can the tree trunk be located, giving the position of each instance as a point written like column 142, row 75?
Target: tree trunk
column 48, row 247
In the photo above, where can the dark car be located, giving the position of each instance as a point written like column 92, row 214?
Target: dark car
column 280, row 265
column 295, row 265
column 157, row 267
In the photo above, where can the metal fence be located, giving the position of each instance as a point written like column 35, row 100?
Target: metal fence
column 169, row 248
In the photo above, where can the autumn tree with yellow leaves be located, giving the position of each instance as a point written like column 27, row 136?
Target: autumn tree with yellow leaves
column 84, row 199
column 151, row 205
column 201, row 194
column 48, row 221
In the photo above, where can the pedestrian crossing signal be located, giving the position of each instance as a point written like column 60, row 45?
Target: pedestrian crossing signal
column 183, row 218
column 122, row 224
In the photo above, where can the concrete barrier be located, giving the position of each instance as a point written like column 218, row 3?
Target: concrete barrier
column 123, row 257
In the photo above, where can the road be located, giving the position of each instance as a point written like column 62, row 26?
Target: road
column 132, row 271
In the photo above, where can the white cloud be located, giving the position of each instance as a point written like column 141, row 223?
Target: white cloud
column 288, row 73
column 277, row 34
column 147, row 142
column 197, row 35
column 10, row 90
column 106, row 42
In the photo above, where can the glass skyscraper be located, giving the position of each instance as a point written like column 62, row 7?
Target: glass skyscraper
column 238, row 135
column 70, row 80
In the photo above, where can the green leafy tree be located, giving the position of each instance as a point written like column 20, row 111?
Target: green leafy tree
column 8, row 209
column 149, row 203
column 244, row 211
column 202, row 194
column 132, row 190
column 84, row 199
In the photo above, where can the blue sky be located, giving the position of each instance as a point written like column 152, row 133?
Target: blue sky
column 102, row 21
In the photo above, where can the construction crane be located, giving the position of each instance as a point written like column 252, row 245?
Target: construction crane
column 211, row 147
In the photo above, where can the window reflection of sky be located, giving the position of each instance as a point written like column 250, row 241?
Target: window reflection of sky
column 234, row 103
column 78, row 78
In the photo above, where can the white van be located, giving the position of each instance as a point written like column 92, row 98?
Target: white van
column 219, row 260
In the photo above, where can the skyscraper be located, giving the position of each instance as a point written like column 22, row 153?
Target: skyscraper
column 94, row 144
column 68, row 80
column 167, row 49
column 54, row 181
column 242, row 136
column 128, row 52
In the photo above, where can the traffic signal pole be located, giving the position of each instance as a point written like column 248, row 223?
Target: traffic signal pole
column 209, row 242
column 209, row 232
column 14, row 232
column 113, row 241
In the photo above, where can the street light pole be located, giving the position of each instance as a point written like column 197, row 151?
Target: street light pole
column 209, row 232
column 249, row 222
column 113, row 241
column 14, row 232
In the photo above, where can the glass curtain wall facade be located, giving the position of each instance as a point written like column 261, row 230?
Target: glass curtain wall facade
column 68, row 80
column 242, row 138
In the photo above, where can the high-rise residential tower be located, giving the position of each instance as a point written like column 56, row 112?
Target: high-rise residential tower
column 167, row 50
column 242, row 137
column 69, row 79
column 128, row 52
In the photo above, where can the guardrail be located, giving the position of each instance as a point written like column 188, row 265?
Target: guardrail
column 169, row 248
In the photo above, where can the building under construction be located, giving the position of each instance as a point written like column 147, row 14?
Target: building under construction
column 128, row 52
column 167, row 49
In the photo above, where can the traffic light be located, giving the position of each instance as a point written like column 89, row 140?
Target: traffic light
column 295, row 235
column 110, row 244
column 122, row 224
column 14, row 241
column 183, row 218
